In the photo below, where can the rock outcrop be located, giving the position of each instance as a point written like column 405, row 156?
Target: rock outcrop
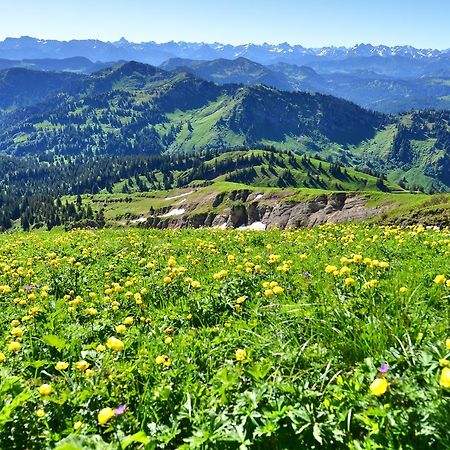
column 245, row 208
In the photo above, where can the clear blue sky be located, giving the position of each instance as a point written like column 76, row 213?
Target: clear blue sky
column 312, row 23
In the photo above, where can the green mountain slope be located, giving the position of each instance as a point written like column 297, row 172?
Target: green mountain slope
column 138, row 109
column 260, row 168
column 367, row 88
column 415, row 149
column 22, row 87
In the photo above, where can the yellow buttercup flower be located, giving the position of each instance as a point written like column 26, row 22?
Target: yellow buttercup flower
column 241, row 354
column 357, row 258
column 277, row 290
column 77, row 425
column 2, row 357
column 349, row 281
column 100, row 348
column 40, row 413
column 444, row 379
column 121, row 328
column 164, row 360
column 61, row 365
column 14, row 346
column 447, row 343
column 105, row 415
column 17, row 331
column 115, row 344
column 82, row 365
column 45, row 389
column 440, row 279
column 330, row 269
column 378, row 386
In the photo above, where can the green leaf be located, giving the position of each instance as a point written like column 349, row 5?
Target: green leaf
column 139, row 437
column 54, row 341
column 316, row 434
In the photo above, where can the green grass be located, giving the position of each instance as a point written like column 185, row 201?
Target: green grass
column 227, row 339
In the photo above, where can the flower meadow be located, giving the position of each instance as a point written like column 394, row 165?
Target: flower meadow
column 334, row 337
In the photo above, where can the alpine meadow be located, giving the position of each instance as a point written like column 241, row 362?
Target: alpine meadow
column 212, row 242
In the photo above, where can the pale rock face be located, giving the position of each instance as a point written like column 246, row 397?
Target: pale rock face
column 267, row 214
column 174, row 212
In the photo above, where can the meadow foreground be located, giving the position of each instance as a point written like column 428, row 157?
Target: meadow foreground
column 332, row 337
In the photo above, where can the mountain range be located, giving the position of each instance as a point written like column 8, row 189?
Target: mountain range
column 366, row 88
column 155, row 53
column 380, row 78
column 137, row 109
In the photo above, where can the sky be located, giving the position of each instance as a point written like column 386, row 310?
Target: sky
column 311, row 23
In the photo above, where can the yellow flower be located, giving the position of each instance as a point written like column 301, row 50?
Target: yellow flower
column 357, row 258
column 40, row 413
column 77, row 425
column 444, row 380
column 378, row 386
column 221, row 274
column 440, row 279
column 444, row 362
column 164, row 360
column 2, row 357
column 447, row 343
column 115, row 344
column 241, row 354
column 159, row 359
column 278, row 290
column 268, row 292
column 330, row 269
column 240, row 300
column 89, row 373
column 171, row 262
column 82, row 365
column 168, row 340
column 17, row 331
column 121, row 328
column 100, row 348
column 349, row 281
column 195, row 284
column 403, row 290
column 45, row 389
column 14, row 346
column 61, row 365
column 105, row 415
column 128, row 320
